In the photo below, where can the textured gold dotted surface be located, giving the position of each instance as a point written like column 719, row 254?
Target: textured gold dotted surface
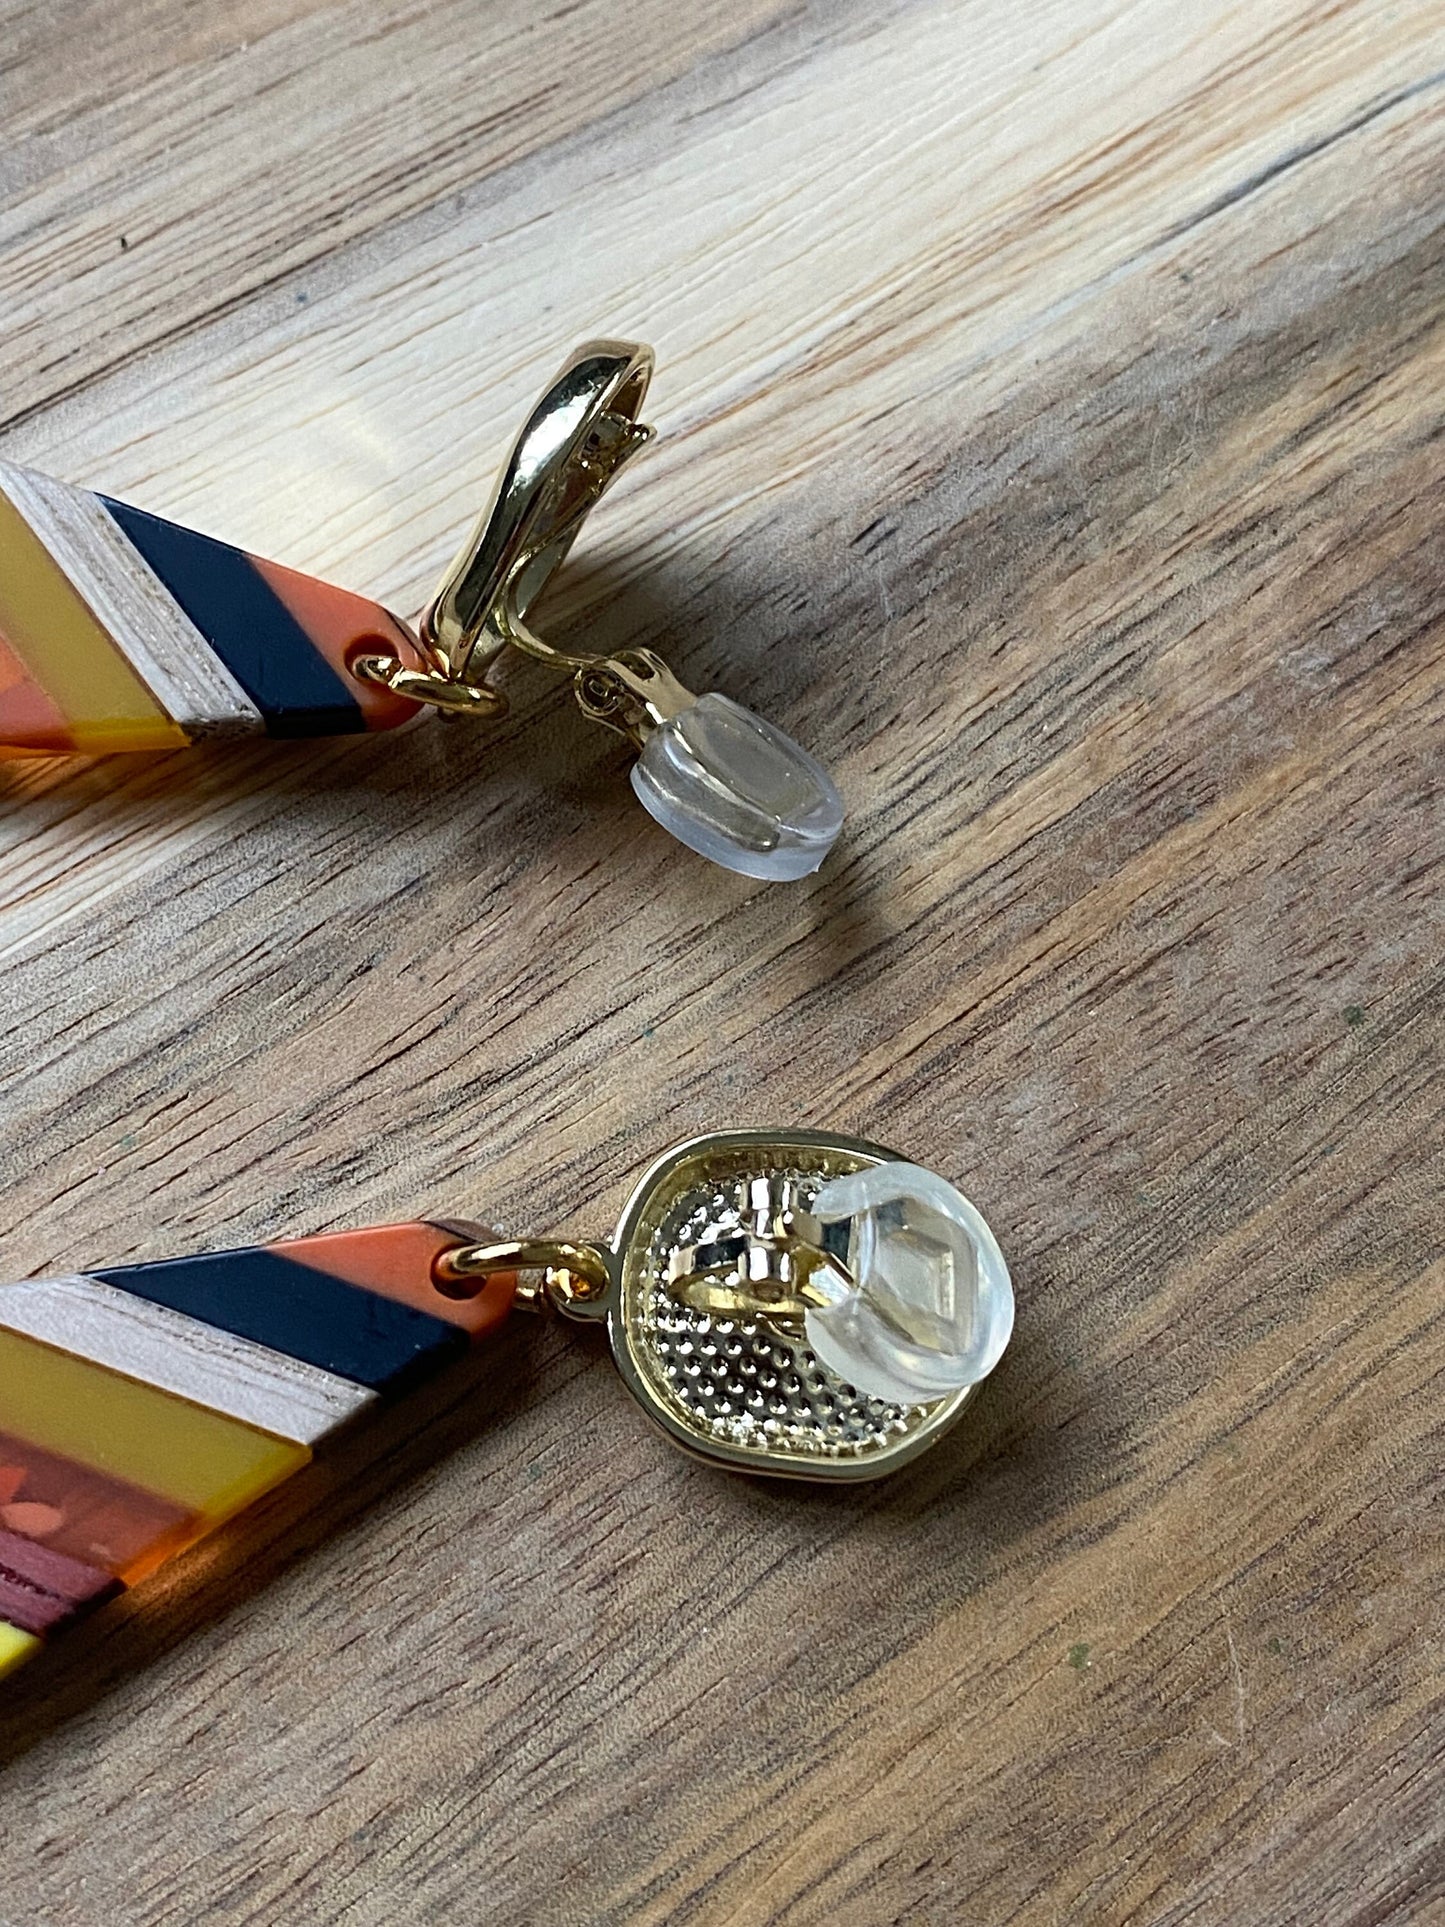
column 740, row 1383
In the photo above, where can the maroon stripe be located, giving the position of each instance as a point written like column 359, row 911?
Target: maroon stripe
column 40, row 1589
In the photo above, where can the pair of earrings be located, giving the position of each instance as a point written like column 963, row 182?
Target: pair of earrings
column 120, row 631
column 788, row 1303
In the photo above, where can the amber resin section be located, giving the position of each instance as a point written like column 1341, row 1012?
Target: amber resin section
column 142, row 1406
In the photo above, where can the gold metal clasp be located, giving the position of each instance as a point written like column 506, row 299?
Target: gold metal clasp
column 705, row 1290
column 762, row 1263
column 573, row 1277
column 726, row 783
column 759, row 1263
column 571, row 449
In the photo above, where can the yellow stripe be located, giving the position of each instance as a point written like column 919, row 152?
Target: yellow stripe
column 15, row 1647
column 166, row 1445
column 65, row 649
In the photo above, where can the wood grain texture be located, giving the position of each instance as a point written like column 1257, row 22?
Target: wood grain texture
column 1052, row 405
column 131, row 604
column 160, row 1347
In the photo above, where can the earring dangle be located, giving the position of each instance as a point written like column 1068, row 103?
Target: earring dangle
column 120, row 631
column 796, row 1304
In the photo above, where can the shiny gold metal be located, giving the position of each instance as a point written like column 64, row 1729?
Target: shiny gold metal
column 727, row 1295
column 703, row 1289
column 764, row 1268
column 573, row 1275
column 761, row 1283
column 741, row 1386
column 428, row 686
column 631, row 692
column 570, row 451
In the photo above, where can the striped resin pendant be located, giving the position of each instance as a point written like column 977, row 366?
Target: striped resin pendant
column 795, row 1304
column 119, row 631
column 143, row 1406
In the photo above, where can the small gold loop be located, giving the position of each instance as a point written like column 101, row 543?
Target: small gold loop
column 724, row 1295
column 577, row 1276
column 429, row 686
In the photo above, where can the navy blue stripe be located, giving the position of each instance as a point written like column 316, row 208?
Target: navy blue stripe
column 247, row 624
column 305, row 1313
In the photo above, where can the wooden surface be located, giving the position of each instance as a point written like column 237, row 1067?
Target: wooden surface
column 1051, row 402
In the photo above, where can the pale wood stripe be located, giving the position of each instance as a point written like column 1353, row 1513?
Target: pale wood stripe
column 164, row 1348
column 69, row 654
column 146, row 623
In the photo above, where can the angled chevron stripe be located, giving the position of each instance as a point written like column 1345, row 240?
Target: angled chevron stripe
column 94, row 1516
column 41, row 1590
column 397, row 1259
column 269, row 1299
column 144, row 1405
column 294, row 673
column 66, row 652
column 122, row 631
column 15, row 1647
column 129, row 1334
column 338, row 624
column 195, row 1460
column 171, row 656
column 252, row 631
column 33, row 720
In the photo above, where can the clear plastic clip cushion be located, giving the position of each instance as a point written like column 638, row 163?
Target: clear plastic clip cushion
column 730, row 786
column 927, row 1305
column 737, row 790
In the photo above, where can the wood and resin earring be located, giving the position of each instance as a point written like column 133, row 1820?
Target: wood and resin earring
column 795, row 1304
column 119, row 631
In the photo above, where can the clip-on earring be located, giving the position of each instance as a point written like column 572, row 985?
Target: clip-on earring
column 119, row 631
column 796, row 1304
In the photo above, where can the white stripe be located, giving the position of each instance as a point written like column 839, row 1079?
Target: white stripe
column 165, row 1348
column 134, row 607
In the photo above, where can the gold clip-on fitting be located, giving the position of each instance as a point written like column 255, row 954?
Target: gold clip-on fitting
column 762, row 1262
column 725, row 782
column 573, row 446
column 789, row 1302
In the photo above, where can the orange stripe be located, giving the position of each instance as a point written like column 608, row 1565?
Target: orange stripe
column 29, row 720
column 395, row 1260
column 343, row 625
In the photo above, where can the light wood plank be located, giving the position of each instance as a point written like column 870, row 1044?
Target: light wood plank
column 1051, row 404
